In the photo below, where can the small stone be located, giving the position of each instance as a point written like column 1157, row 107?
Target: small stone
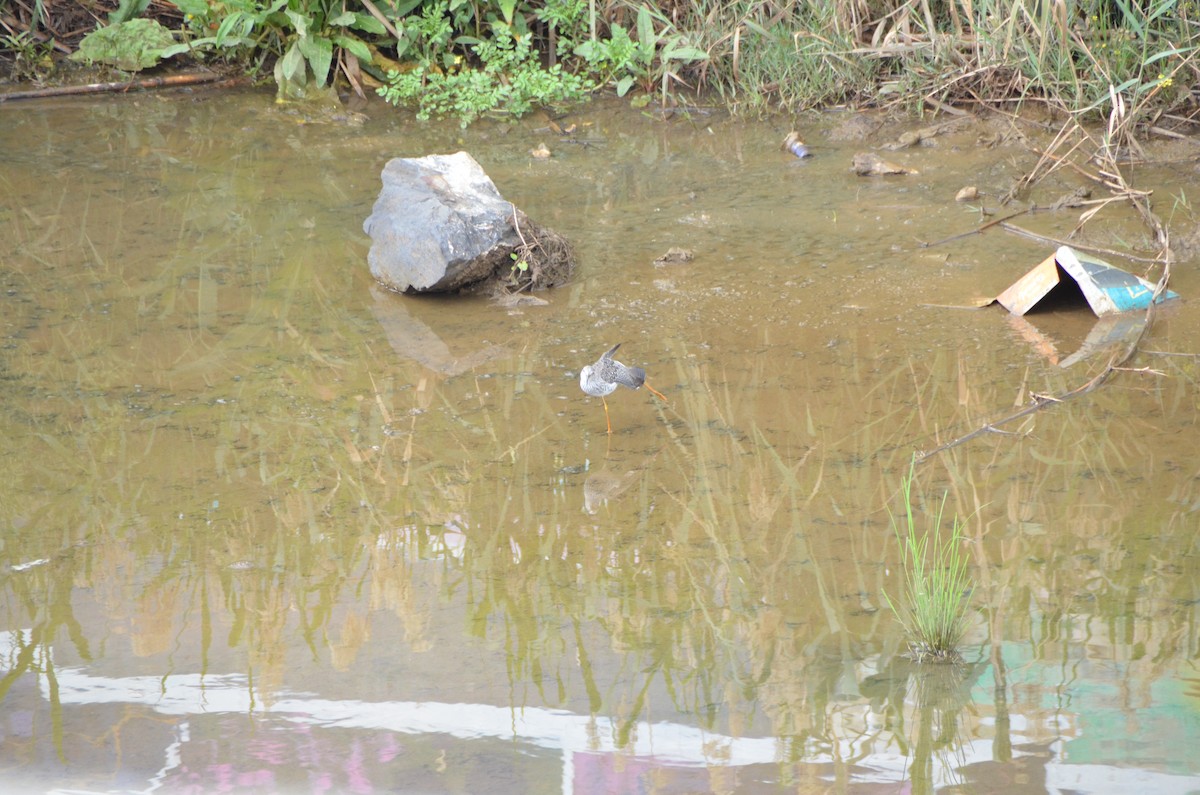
column 675, row 256
column 517, row 300
column 967, row 194
column 867, row 164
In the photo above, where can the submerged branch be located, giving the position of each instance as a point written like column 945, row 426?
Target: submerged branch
column 1039, row 402
column 1108, row 252
column 977, row 230
column 170, row 81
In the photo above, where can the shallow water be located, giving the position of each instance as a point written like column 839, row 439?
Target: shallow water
column 269, row 528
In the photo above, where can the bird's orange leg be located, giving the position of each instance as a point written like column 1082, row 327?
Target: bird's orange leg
column 606, row 418
column 657, row 394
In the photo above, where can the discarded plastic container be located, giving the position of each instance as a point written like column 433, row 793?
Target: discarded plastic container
column 1107, row 289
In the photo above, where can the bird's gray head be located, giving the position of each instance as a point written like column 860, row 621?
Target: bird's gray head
column 585, row 375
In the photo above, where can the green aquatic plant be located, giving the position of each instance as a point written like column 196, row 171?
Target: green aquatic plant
column 933, row 608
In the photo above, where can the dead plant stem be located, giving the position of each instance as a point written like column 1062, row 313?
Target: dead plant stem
column 1026, row 233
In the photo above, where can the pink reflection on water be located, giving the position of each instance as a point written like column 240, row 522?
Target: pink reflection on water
column 281, row 756
column 389, row 749
column 220, row 778
column 272, row 752
column 356, row 776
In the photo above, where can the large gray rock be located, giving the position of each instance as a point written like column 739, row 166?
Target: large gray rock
column 438, row 225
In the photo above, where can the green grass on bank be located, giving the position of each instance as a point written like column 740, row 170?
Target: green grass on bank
column 466, row 58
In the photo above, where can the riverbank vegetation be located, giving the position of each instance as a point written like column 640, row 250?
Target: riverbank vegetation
column 469, row 57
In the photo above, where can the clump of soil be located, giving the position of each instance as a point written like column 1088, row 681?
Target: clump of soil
column 548, row 259
column 1185, row 242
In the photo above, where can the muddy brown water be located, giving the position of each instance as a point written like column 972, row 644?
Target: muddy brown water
column 265, row 527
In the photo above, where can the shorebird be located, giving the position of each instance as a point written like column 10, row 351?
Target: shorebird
column 602, row 379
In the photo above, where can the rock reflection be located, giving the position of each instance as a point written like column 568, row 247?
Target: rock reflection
column 412, row 339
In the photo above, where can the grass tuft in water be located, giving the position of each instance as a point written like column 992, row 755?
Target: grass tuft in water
column 934, row 604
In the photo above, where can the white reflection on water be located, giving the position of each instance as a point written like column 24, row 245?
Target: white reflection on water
column 579, row 738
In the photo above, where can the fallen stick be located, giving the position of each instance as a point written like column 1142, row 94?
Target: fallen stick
column 1039, row 402
column 977, row 230
column 171, row 81
column 1106, row 252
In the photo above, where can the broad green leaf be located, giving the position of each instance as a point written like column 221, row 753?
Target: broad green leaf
column 291, row 66
column 507, row 9
column 196, row 8
column 354, row 46
column 227, row 26
column 344, row 19
column 300, row 22
column 178, row 49
column 368, row 24
column 647, row 40
column 686, row 54
column 623, row 85
column 318, row 50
